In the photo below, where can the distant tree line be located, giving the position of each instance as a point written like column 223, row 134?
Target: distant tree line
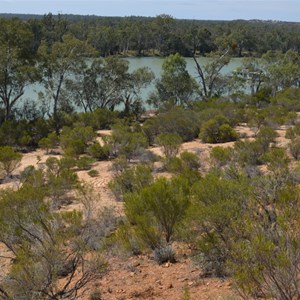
column 163, row 35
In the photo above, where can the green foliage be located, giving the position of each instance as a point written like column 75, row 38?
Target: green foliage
column 288, row 98
column 125, row 142
column 98, row 152
column 131, row 180
column 220, row 156
column 9, row 159
column 49, row 142
column 217, row 203
column 266, row 136
column 265, row 261
column 217, row 130
column 98, row 119
column 75, row 141
column 277, row 161
column 293, row 132
column 93, row 173
column 248, row 152
column 170, row 142
column 185, row 163
column 183, row 122
column 61, row 178
column 158, row 208
column 47, row 246
column 175, row 86
column 294, row 147
column 84, row 162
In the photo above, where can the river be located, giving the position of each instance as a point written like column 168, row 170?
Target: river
column 155, row 64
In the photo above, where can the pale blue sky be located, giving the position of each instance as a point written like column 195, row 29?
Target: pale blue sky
column 286, row 10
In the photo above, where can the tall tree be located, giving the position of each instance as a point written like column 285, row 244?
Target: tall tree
column 175, row 85
column 56, row 65
column 16, row 65
column 210, row 78
column 107, row 83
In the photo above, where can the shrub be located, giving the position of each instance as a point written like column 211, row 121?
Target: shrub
column 98, row 152
column 293, row 132
column 220, row 156
column 264, row 260
column 164, row 254
column 157, row 210
column 265, row 136
column 294, row 147
column 84, row 162
column 186, row 162
column 9, row 159
column 183, row 122
column 75, row 141
column 248, row 153
column 170, row 142
column 216, row 204
column 125, row 142
column 93, row 173
column 49, row 142
column 217, row 130
column 131, row 180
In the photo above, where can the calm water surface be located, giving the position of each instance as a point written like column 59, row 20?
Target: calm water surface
column 155, row 64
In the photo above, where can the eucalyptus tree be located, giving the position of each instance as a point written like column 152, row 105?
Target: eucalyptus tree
column 212, row 82
column 16, row 64
column 56, row 64
column 250, row 76
column 175, row 86
column 282, row 69
column 106, row 83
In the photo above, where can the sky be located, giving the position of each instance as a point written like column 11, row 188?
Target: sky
column 283, row 10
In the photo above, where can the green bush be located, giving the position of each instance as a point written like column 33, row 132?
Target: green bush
column 49, row 142
column 170, row 142
column 266, row 136
column 93, row 173
column 220, row 156
column 183, row 122
column 99, row 152
column 75, row 141
column 124, row 141
column 131, row 180
column 248, row 153
column 9, row 159
column 186, row 162
column 217, row 130
column 84, row 162
column 216, row 204
column 157, row 210
column 294, row 147
column 293, row 132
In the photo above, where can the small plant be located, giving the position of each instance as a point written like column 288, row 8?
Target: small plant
column 95, row 295
column 93, row 173
column 186, row 294
column 164, row 254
